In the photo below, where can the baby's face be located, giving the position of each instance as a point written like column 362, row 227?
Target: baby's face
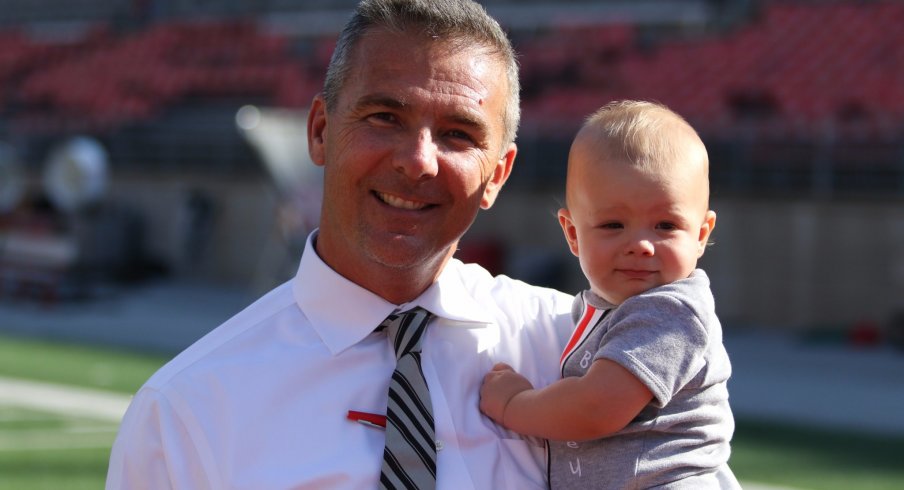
column 635, row 229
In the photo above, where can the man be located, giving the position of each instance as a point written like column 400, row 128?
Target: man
column 415, row 132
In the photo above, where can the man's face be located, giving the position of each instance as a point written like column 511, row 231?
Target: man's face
column 410, row 153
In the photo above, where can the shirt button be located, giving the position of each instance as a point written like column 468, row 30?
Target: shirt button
column 439, row 445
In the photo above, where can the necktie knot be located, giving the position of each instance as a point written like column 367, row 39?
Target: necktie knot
column 405, row 329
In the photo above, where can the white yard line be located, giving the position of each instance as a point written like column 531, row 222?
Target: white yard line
column 47, row 439
column 63, row 399
column 763, row 486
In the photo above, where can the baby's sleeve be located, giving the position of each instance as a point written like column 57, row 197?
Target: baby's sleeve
column 658, row 338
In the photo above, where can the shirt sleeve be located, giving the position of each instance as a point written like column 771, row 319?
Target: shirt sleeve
column 658, row 338
column 154, row 450
column 542, row 327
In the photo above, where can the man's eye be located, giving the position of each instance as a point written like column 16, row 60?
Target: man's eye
column 383, row 116
column 459, row 134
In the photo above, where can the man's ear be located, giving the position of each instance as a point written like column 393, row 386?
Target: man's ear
column 570, row 231
column 317, row 130
column 501, row 173
column 706, row 229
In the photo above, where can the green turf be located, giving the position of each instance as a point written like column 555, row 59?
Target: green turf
column 76, row 365
column 766, row 453
column 70, row 469
column 816, row 459
column 41, row 450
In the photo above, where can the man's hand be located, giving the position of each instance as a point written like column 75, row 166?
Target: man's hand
column 500, row 385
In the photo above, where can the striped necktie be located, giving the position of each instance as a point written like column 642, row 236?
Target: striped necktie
column 409, row 458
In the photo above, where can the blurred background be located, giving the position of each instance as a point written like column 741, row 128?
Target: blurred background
column 154, row 180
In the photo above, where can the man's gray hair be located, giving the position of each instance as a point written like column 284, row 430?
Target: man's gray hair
column 460, row 21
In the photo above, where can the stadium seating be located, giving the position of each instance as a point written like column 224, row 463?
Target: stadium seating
column 109, row 80
column 792, row 65
column 801, row 63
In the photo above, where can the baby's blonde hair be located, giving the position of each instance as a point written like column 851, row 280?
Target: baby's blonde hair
column 645, row 134
column 641, row 132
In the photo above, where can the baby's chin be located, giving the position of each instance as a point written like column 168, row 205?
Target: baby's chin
column 618, row 297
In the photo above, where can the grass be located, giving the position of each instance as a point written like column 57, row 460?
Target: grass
column 46, row 451
column 41, row 451
column 816, row 459
column 54, row 469
column 76, row 365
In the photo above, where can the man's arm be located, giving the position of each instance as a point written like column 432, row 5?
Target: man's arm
column 595, row 405
column 154, row 450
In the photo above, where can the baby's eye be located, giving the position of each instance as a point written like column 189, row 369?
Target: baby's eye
column 667, row 226
column 612, row 226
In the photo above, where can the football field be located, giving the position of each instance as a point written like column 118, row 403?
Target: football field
column 45, row 450
column 60, row 407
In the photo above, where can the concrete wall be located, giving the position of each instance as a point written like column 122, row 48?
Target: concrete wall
column 231, row 248
column 800, row 263
column 779, row 263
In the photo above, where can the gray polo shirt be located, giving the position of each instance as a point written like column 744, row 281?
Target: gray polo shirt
column 670, row 339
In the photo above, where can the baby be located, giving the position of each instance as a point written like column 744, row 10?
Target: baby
column 643, row 400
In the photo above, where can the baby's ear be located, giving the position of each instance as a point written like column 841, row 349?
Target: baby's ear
column 570, row 231
column 706, row 229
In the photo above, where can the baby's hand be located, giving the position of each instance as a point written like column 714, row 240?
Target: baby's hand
column 500, row 385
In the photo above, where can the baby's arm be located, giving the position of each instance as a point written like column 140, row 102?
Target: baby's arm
column 595, row 405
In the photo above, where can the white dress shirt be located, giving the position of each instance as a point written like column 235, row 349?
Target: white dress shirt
column 261, row 402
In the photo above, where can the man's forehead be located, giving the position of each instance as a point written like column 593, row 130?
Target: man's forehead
column 398, row 70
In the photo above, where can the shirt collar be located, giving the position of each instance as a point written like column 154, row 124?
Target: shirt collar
column 343, row 313
column 596, row 301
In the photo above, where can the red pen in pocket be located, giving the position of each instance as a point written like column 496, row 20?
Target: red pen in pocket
column 370, row 419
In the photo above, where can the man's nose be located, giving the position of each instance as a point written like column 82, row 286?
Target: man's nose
column 417, row 158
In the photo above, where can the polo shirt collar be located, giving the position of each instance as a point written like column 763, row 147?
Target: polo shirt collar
column 343, row 313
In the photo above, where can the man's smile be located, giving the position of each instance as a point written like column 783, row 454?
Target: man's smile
column 400, row 203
